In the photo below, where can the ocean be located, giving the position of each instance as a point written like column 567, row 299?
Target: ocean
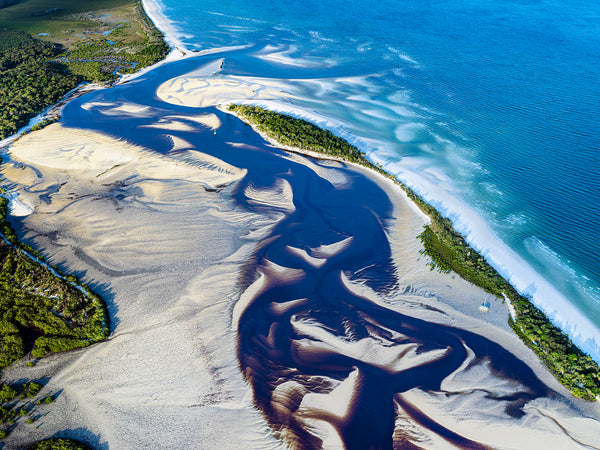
column 488, row 109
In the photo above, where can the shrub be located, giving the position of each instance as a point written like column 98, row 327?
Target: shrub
column 7, row 393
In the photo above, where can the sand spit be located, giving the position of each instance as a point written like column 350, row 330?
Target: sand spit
column 192, row 89
column 151, row 235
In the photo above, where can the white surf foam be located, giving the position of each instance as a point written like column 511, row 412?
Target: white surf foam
column 507, row 262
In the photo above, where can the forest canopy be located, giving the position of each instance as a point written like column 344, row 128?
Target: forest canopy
column 29, row 80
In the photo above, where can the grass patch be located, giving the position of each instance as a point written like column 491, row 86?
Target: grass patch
column 61, row 21
column 59, row 444
column 449, row 251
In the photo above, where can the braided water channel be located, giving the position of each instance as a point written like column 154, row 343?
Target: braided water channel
column 326, row 363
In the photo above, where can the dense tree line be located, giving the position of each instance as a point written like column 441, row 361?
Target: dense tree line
column 298, row 133
column 29, row 80
column 449, row 251
column 41, row 312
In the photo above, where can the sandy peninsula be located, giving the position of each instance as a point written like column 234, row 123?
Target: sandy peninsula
column 151, row 235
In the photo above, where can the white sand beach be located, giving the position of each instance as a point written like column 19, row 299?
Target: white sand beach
column 279, row 95
column 161, row 240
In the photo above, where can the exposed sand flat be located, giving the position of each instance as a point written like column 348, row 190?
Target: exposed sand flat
column 276, row 95
column 538, row 429
column 199, row 91
column 210, row 120
column 164, row 252
column 161, row 240
column 278, row 197
column 93, row 156
column 128, row 109
column 447, row 298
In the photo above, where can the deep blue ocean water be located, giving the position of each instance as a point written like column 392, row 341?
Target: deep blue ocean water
column 488, row 105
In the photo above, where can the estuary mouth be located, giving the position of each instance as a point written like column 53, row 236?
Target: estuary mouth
column 343, row 334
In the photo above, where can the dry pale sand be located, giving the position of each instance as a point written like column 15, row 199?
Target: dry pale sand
column 164, row 252
column 144, row 231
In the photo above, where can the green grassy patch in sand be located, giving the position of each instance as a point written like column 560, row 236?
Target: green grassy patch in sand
column 59, row 444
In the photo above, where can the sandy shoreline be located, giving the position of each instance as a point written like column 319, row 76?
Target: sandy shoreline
column 273, row 94
column 407, row 246
column 160, row 238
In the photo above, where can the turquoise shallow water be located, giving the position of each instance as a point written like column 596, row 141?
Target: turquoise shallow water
column 490, row 105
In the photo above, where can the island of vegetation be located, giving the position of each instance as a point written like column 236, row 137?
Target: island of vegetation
column 26, row 402
column 49, row 47
column 21, row 402
column 448, row 251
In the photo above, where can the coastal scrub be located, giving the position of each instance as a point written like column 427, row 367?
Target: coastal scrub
column 59, row 444
column 46, row 51
column 29, row 80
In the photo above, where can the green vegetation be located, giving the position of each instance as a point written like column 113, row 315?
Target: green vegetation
column 298, row 133
column 125, row 49
column 449, row 251
column 29, row 81
column 37, row 71
column 59, row 444
column 43, row 123
column 40, row 312
column 30, row 390
column 7, row 393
